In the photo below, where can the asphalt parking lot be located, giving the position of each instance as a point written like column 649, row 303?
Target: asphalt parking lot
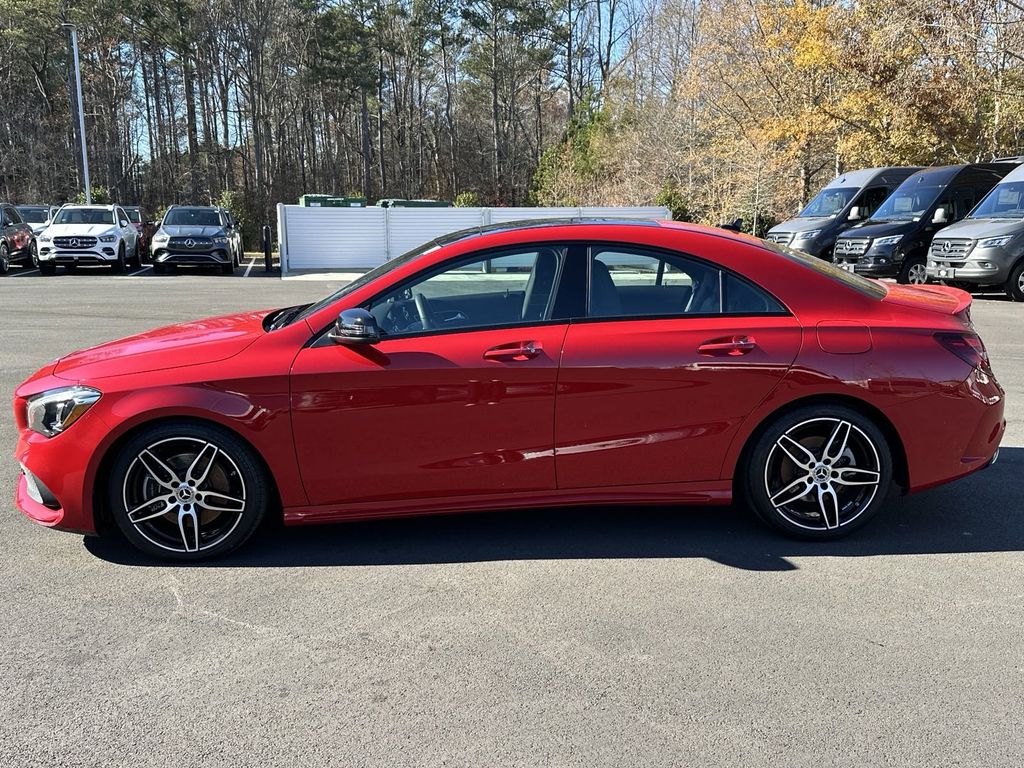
column 646, row 637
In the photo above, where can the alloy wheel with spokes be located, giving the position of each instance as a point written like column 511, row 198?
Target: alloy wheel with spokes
column 187, row 492
column 820, row 472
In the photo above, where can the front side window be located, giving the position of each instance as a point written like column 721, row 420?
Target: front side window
column 629, row 282
column 500, row 289
column 13, row 217
column 134, row 215
column 870, row 200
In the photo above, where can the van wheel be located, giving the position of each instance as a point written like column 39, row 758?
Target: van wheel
column 819, row 472
column 1015, row 285
column 913, row 271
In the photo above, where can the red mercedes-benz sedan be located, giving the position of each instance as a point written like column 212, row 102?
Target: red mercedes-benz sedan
column 534, row 364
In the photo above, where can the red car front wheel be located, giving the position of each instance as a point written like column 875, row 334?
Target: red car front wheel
column 187, row 491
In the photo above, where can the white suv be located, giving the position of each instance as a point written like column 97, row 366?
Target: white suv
column 89, row 234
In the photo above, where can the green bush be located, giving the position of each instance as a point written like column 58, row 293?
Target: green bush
column 671, row 196
column 467, row 200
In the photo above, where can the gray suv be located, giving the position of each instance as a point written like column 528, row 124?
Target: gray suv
column 987, row 247
column 847, row 199
column 193, row 235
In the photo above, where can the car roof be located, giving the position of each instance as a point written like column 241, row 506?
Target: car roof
column 522, row 225
column 1017, row 174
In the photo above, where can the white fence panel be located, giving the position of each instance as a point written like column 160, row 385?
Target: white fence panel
column 335, row 238
column 362, row 238
column 412, row 227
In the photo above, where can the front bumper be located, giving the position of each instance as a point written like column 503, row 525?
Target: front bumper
column 60, row 466
column 104, row 253
column 197, row 258
column 867, row 267
column 982, row 266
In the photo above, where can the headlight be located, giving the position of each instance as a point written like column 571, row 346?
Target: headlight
column 161, row 237
column 44, row 238
column 892, row 240
column 108, row 238
column 220, row 240
column 995, row 242
column 808, row 235
column 50, row 413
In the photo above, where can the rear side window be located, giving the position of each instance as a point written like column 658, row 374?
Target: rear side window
column 627, row 282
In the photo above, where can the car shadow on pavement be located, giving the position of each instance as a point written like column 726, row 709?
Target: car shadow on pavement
column 981, row 513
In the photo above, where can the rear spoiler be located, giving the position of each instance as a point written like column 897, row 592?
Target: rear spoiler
column 938, row 298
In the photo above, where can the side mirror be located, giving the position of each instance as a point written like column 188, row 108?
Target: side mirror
column 355, row 326
column 854, row 214
column 123, row 223
column 940, row 216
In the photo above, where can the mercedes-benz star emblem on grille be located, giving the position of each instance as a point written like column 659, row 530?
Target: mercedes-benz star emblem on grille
column 947, row 246
column 190, row 243
column 74, row 242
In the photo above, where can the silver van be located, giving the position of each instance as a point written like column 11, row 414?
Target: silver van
column 847, row 199
column 987, row 247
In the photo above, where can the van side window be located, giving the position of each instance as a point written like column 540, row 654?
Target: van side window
column 870, row 199
column 963, row 201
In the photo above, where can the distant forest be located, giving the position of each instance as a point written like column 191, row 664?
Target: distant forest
column 715, row 108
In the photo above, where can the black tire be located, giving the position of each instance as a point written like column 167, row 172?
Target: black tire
column 1015, row 283
column 120, row 265
column 845, row 485
column 5, row 259
column 47, row 269
column 136, row 260
column 913, row 272
column 228, row 268
column 167, row 505
column 35, row 254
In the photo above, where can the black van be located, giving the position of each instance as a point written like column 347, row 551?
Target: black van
column 894, row 242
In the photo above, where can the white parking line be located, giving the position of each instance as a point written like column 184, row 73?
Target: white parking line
column 30, row 272
column 140, row 271
column 248, row 269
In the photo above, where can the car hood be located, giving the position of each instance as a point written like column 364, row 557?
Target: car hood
column 192, row 231
column 70, row 230
column 38, row 227
column 875, row 229
column 976, row 229
column 804, row 225
column 175, row 346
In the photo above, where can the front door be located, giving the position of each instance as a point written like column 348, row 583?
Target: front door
column 457, row 399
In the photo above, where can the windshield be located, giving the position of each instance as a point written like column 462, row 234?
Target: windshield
column 84, row 216
column 829, row 202
column 33, row 215
column 192, row 217
column 910, row 201
column 134, row 215
column 872, row 288
column 1005, row 201
column 365, row 278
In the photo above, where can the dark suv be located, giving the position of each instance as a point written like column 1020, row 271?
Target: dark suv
column 17, row 241
column 194, row 236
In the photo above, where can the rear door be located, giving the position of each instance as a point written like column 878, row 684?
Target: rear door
column 673, row 354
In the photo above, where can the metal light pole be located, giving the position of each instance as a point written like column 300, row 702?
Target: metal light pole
column 81, row 112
